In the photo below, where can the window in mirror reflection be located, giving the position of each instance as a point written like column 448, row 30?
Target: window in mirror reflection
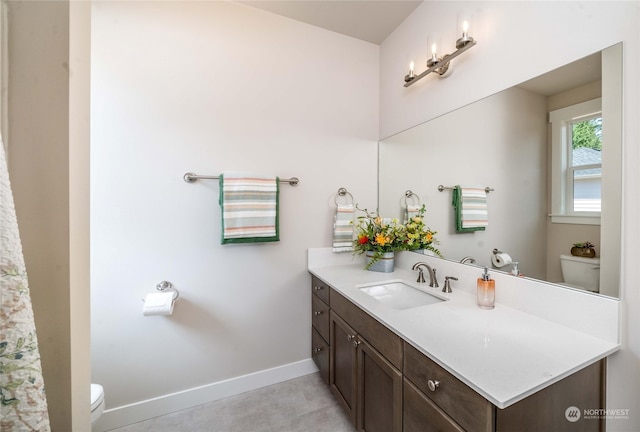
column 585, row 172
column 577, row 163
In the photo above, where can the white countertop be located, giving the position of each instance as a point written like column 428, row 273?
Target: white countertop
column 504, row 354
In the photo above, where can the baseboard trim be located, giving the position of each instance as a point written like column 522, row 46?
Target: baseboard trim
column 144, row 410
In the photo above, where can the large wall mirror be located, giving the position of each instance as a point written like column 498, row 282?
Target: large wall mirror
column 505, row 142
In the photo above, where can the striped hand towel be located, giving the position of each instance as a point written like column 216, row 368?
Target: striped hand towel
column 343, row 228
column 471, row 208
column 249, row 207
column 411, row 211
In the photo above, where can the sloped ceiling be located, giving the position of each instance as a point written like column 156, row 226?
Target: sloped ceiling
column 368, row 20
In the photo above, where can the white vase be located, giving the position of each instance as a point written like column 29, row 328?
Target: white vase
column 385, row 264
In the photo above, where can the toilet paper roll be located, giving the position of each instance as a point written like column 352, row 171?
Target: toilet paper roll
column 501, row 259
column 160, row 303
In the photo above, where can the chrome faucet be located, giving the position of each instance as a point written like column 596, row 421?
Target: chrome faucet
column 447, row 284
column 433, row 280
column 468, row 259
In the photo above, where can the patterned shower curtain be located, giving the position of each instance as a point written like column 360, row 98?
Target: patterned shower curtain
column 23, row 403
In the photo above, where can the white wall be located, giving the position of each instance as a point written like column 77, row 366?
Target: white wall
column 208, row 87
column 517, row 41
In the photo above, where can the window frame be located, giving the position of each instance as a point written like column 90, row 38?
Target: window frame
column 561, row 166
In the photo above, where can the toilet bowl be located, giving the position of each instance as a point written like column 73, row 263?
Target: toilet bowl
column 579, row 272
column 97, row 402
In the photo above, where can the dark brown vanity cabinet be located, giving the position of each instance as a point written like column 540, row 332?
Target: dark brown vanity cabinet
column 320, row 326
column 387, row 385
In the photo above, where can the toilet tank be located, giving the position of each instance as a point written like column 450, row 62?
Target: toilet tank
column 581, row 272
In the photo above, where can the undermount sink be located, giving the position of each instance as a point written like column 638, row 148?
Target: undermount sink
column 399, row 295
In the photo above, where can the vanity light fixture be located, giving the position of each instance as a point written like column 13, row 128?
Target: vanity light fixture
column 440, row 64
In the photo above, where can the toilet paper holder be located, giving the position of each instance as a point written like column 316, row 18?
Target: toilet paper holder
column 168, row 286
column 501, row 259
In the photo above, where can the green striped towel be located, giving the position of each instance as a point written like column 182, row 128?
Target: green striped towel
column 470, row 204
column 249, row 205
column 343, row 228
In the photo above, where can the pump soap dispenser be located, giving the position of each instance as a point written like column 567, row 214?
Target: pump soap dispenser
column 486, row 291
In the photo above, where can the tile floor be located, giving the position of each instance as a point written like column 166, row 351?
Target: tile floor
column 302, row 404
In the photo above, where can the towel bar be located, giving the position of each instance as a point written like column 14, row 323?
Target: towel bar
column 191, row 177
column 442, row 188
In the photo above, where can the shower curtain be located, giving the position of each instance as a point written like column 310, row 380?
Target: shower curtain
column 23, row 403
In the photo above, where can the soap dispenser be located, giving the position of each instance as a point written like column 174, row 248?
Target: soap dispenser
column 486, row 291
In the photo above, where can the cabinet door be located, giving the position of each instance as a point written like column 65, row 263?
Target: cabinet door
column 379, row 392
column 342, row 364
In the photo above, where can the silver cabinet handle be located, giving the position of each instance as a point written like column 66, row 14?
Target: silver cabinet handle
column 316, row 313
column 317, row 350
column 318, row 288
column 433, row 385
column 354, row 340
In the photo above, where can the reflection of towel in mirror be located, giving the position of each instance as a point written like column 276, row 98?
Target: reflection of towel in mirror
column 470, row 205
column 343, row 228
column 411, row 211
column 249, row 206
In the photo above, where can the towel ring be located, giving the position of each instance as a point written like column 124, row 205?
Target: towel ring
column 409, row 194
column 343, row 192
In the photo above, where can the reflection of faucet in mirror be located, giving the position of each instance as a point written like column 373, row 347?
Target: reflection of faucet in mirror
column 514, row 268
column 468, row 260
column 433, row 280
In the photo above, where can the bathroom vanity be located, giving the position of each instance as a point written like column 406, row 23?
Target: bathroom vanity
column 450, row 366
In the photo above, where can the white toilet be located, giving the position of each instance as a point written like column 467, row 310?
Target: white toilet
column 579, row 272
column 97, row 402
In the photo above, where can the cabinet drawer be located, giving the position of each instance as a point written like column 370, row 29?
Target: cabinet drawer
column 320, row 317
column 320, row 289
column 470, row 410
column 420, row 414
column 375, row 333
column 320, row 354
